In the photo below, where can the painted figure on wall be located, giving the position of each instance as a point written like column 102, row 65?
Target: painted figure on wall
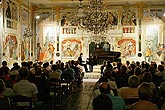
column 11, row 14
column 71, row 48
column 113, row 18
column 10, row 46
column 38, row 51
column 129, row 18
column 46, row 53
column 8, row 15
column 152, row 39
column 148, row 54
column 127, row 47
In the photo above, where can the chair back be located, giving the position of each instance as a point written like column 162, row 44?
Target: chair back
column 23, row 102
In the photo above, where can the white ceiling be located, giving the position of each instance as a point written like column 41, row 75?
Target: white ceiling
column 71, row 3
column 67, row 5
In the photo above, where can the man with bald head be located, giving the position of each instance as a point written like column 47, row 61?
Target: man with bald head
column 117, row 102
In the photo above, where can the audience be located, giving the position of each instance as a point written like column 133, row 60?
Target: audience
column 17, row 80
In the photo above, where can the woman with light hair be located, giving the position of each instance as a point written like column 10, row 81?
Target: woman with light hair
column 145, row 92
column 131, row 91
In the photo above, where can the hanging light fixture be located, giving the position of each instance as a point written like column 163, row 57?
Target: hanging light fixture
column 96, row 21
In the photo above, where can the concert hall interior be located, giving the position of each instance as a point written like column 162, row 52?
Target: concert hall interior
column 63, row 51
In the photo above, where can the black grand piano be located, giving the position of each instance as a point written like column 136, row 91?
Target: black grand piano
column 101, row 55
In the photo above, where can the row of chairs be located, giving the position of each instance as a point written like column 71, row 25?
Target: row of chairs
column 57, row 89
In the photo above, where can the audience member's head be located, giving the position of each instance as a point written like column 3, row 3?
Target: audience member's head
column 133, row 81
column 123, row 69
column 102, row 102
column 24, row 64
column 108, row 74
column 4, row 63
column 104, row 88
column 145, row 91
column 38, row 71
column 54, row 67
column 137, row 71
column 102, row 79
column 127, row 63
column 137, row 63
column 46, row 64
column 147, row 77
column 23, row 72
column 161, row 68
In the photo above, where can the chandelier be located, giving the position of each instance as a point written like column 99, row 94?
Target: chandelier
column 96, row 21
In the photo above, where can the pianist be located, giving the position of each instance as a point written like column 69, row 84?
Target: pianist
column 82, row 63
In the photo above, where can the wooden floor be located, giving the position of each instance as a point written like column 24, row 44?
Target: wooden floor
column 81, row 97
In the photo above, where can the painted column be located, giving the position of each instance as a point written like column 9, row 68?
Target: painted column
column 57, row 53
column 1, row 33
column 140, row 15
column 33, row 42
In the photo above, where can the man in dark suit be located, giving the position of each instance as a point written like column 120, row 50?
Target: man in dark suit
column 81, row 62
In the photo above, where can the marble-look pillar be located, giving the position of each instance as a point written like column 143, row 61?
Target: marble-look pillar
column 1, row 33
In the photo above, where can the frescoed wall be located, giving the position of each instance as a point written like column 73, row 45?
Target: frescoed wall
column 129, row 18
column 71, row 48
column 127, row 47
column 10, row 45
column 11, row 12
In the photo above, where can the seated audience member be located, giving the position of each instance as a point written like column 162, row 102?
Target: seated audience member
column 111, row 81
column 102, row 102
column 147, row 77
column 161, row 90
column 160, row 74
column 68, row 74
column 97, row 84
column 117, row 102
column 24, row 87
column 42, row 87
column 15, row 66
column 5, row 66
column 121, row 76
column 145, row 92
column 4, row 101
column 56, row 72
column 131, row 91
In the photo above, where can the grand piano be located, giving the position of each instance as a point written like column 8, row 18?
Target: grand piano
column 100, row 55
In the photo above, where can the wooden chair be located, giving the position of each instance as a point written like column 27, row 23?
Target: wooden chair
column 131, row 101
column 55, row 91
column 67, row 84
column 22, row 102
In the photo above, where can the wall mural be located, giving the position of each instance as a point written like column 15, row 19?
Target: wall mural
column 10, row 45
column 127, row 47
column 152, row 40
column 11, row 12
column 25, row 44
column 113, row 16
column 71, row 48
column 25, row 50
column 129, row 18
